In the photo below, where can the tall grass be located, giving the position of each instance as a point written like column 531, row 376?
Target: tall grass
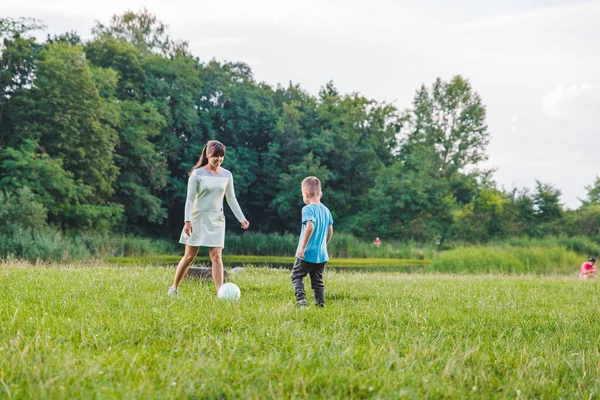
column 520, row 255
column 579, row 244
column 507, row 259
column 342, row 245
column 49, row 244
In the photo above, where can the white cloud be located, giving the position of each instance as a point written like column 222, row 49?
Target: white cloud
column 571, row 15
column 219, row 41
column 572, row 102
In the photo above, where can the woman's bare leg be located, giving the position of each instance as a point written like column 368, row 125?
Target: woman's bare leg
column 217, row 265
column 184, row 264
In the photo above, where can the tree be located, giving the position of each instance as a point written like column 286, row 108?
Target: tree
column 482, row 219
column 109, row 52
column 66, row 116
column 445, row 130
column 142, row 168
column 54, row 187
column 407, row 204
column 593, row 193
column 286, row 159
column 288, row 203
column 546, row 200
column 70, row 38
column 584, row 221
column 519, row 214
column 143, row 30
column 21, row 210
column 17, row 63
column 355, row 141
column 449, row 120
column 63, row 199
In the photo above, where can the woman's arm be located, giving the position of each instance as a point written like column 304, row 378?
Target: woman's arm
column 232, row 200
column 189, row 203
column 233, row 203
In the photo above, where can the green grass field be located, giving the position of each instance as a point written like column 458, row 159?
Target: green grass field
column 71, row 331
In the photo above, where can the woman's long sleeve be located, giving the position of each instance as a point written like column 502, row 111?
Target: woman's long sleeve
column 191, row 196
column 232, row 200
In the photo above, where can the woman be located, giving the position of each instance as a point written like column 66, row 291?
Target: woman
column 588, row 269
column 204, row 219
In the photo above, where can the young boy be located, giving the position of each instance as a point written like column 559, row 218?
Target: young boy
column 316, row 233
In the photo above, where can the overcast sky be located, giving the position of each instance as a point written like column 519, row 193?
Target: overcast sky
column 535, row 63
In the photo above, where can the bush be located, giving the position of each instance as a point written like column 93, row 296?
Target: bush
column 21, row 210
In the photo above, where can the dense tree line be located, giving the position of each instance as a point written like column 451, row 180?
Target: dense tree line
column 101, row 134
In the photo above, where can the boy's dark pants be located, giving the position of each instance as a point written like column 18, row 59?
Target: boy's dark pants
column 300, row 270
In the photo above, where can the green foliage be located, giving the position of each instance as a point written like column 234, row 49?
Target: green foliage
column 142, row 168
column 408, row 204
column 65, row 115
column 17, row 64
column 449, row 121
column 357, row 136
column 19, row 51
column 546, row 200
column 143, row 30
column 584, row 221
column 108, row 52
column 88, row 216
column 593, row 193
column 520, row 215
column 481, row 219
column 289, row 201
column 54, row 187
column 21, row 210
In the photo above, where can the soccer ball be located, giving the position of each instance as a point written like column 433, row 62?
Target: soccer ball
column 229, row 291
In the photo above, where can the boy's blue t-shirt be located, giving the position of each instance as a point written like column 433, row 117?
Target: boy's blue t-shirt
column 316, row 249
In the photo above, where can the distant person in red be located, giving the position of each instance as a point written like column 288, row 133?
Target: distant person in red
column 588, row 269
column 377, row 242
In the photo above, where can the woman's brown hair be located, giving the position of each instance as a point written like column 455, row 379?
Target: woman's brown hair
column 213, row 147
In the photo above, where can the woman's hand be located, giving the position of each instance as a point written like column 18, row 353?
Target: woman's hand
column 245, row 224
column 187, row 228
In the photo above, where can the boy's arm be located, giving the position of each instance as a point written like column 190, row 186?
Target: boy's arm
column 329, row 234
column 308, row 231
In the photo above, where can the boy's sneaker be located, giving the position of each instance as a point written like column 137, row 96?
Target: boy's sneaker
column 172, row 291
column 301, row 303
column 320, row 305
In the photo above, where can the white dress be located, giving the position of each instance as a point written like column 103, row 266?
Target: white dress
column 204, row 207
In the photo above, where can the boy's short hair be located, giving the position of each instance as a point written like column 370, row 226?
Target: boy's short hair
column 312, row 185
